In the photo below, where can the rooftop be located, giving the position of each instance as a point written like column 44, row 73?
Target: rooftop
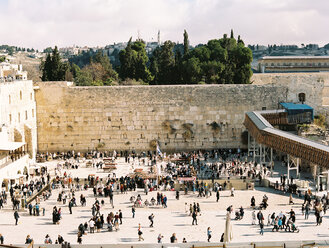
column 293, row 57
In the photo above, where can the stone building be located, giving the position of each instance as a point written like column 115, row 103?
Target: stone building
column 293, row 64
column 18, row 132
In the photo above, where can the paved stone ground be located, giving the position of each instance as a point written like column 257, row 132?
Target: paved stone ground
column 167, row 221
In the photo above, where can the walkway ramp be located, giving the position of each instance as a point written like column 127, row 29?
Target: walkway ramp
column 259, row 125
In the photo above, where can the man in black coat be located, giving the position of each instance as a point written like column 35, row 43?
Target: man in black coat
column 260, row 216
column 16, row 216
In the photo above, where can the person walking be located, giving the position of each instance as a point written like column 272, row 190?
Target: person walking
column 140, row 233
column 151, row 217
column 209, row 233
column 160, row 237
column 307, row 211
column 217, row 196
column 261, row 225
column 16, row 216
column 194, row 215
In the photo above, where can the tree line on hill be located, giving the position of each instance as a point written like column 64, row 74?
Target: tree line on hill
column 220, row 61
column 12, row 49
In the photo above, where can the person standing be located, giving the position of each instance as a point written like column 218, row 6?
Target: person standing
column 2, row 239
column 120, row 216
column 209, row 233
column 133, row 210
column 140, row 233
column 70, row 206
column 260, row 216
column 28, row 240
column 253, row 216
column 217, row 196
column 92, row 226
column 16, row 216
column 173, row 238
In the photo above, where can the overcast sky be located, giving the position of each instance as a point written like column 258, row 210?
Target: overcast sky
column 43, row 23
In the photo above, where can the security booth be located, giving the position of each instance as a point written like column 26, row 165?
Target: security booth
column 322, row 181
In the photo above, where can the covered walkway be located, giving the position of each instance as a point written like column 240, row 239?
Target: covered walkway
column 259, row 125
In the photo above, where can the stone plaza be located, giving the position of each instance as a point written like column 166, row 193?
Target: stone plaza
column 174, row 219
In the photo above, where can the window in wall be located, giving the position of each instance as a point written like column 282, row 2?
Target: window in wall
column 9, row 99
column 19, row 117
column 302, row 97
column 25, row 114
column 10, row 118
column 32, row 113
column 20, row 95
column 272, row 64
column 319, row 64
column 278, row 64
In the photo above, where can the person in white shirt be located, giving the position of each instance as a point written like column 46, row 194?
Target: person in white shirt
column 92, row 226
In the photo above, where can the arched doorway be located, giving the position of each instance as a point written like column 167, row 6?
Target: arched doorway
column 17, row 136
column 28, row 140
column 4, row 184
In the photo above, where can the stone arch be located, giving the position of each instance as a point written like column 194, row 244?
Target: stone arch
column 302, row 97
column 4, row 184
column 17, row 136
column 25, row 171
column 28, row 139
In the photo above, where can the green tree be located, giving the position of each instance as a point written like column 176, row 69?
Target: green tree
column 186, row 43
column 163, row 64
column 53, row 69
column 83, row 78
column 133, row 60
column 108, row 72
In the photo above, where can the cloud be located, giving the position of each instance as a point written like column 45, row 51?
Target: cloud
column 42, row 23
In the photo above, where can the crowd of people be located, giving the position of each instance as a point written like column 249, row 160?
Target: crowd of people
column 210, row 165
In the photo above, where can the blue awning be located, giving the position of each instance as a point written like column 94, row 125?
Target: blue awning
column 296, row 108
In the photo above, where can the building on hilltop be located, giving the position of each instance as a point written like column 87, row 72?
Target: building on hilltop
column 18, row 131
column 11, row 72
column 293, row 64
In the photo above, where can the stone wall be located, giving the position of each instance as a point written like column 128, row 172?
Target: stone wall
column 133, row 117
column 314, row 85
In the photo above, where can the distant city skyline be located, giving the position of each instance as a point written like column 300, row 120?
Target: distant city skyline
column 43, row 23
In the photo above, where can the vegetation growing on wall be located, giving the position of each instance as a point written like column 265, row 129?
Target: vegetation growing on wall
column 320, row 120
